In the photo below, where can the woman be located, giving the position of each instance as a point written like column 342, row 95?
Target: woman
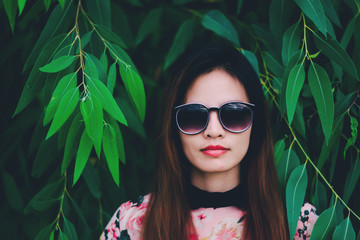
column 216, row 177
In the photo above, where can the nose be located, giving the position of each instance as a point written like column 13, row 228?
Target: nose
column 214, row 128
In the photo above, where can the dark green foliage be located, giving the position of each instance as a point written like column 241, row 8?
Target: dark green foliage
column 83, row 81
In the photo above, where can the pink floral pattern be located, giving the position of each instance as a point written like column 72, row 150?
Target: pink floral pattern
column 224, row 223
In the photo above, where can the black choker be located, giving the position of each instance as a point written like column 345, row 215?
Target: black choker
column 202, row 199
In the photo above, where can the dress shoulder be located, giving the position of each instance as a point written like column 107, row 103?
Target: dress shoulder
column 127, row 221
column 307, row 219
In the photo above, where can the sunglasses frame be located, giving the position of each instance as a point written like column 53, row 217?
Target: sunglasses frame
column 250, row 106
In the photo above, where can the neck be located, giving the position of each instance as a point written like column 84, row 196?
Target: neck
column 217, row 181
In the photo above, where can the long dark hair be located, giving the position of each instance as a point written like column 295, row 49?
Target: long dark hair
column 169, row 216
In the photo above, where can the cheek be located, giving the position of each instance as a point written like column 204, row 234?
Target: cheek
column 188, row 143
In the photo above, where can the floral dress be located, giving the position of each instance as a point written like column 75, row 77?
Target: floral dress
column 219, row 217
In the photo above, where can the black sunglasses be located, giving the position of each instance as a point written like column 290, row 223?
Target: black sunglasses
column 193, row 118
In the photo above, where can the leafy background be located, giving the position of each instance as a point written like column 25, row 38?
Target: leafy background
column 78, row 132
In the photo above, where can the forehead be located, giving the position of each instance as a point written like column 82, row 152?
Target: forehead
column 215, row 88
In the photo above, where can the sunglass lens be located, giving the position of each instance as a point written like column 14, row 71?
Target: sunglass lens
column 192, row 118
column 236, row 117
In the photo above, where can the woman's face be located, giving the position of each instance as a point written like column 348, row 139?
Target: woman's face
column 212, row 90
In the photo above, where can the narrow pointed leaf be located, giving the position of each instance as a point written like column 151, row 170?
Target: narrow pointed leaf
column 58, row 64
column 331, row 12
column 111, row 152
column 67, row 82
column 314, row 10
column 250, row 56
column 135, row 88
column 84, row 41
column 71, row 144
column 320, row 87
column 69, row 229
column 62, row 3
column 351, row 140
column 111, row 80
column 92, row 113
column 21, row 4
column 279, row 148
column 149, row 24
column 291, row 43
column 58, row 22
column 92, row 180
column 35, row 79
column 10, row 9
column 66, row 107
column 320, row 197
column 62, row 236
column 324, row 225
column 334, row 51
column 12, row 192
column 217, row 22
column 108, row 102
column 82, row 155
column 344, row 231
column 96, row 68
column 104, row 61
column 120, row 56
column 352, row 179
column 47, row 4
column 182, row 38
column 295, row 194
column 288, row 162
column 45, row 232
column 293, row 88
column 119, row 141
column 111, row 36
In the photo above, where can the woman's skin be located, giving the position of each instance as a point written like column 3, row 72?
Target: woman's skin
column 215, row 170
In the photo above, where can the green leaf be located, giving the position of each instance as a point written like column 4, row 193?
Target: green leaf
column 279, row 149
column 111, row 80
column 66, row 106
column 62, row 3
column 288, row 162
column 52, row 235
column 10, row 9
column 291, row 43
column 58, row 22
column 331, row 12
column 351, row 141
column 90, row 68
column 45, row 233
column 111, row 36
column 149, row 25
column 72, row 140
column 324, row 225
column 45, row 196
column 239, row 5
column 12, row 192
column 100, row 11
column 58, row 64
column 35, row 81
column 315, row 11
column 119, row 141
column 274, row 65
column 21, row 4
column 92, row 180
column 104, row 61
column 320, row 196
column 348, row 33
column 47, row 4
column 84, row 41
column 45, row 156
column 67, row 82
column 183, row 37
column 120, row 56
column 97, row 66
column 111, row 152
column 69, row 229
column 62, row 236
column 109, row 104
column 82, row 156
column 250, row 56
column 295, row 194
column 334, row 51
column 352, row 179
column 294, row 85
column 92, row 113
column 320, row 87
column 344, row 230
column 217, row 22
column 135, row 89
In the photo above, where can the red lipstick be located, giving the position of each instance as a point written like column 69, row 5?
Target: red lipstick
column 214, row 151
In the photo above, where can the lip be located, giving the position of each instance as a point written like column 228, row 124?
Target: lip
column 214, row 150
